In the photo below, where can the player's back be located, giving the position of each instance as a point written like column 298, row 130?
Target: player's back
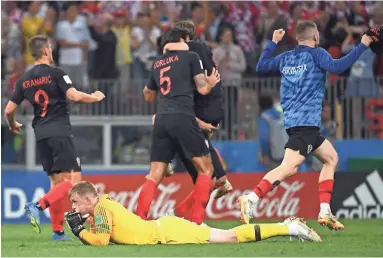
column 127, row 228
column 173, row 74
column 207, row 107
column 40, row 86
column 302, row 87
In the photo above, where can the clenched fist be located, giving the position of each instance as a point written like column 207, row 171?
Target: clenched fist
column 278, row 35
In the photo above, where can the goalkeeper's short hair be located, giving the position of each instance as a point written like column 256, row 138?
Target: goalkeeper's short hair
column 83, row 188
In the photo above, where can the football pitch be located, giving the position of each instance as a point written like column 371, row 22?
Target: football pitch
column 360, row 238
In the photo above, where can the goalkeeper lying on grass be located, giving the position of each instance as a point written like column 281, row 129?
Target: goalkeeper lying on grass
column 111, row 222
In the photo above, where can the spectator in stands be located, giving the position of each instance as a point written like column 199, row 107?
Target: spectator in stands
column 124, row 58
column 143, row 41
column 32, row 24
column 4, row 39
column 272, row 134
column 271, row 21
column 200, row 17
column 14, row 44
column 295, row 16
column 105, row 54
column 376, row 15
column 73, row 44
column 243, row 17
column 328, row 126
column 231, row 64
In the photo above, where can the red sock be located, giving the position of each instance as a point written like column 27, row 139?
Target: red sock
column 263, row 187
column 325, row 191
column 145, row 198
column 56, row 211
column 184, row 206
column 201, row 197
column 57, row 193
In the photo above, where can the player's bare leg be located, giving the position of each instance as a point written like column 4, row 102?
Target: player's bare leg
column 223, row 185
column 327, row 154
column 293, row 227
column 60, row 185
column 156, row 174
column 169, row 172
column 288, row 168
column 201, row 192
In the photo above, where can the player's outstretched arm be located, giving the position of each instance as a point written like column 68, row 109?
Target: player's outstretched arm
column 268, row 63
column 338, row 66
column 82, row 97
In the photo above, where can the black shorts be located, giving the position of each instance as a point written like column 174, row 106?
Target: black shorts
column 58, row 154
column 177, row 133
column 305, row 139
column 219, row 171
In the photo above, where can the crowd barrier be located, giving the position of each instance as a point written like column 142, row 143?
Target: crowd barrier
column 356, row 195
column 356, row 109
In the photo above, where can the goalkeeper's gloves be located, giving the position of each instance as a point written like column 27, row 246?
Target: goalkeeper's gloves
column 75, row 221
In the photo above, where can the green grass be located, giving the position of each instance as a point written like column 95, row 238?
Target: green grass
column 360, row 238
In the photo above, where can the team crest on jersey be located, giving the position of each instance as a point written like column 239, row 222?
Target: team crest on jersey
column 309, row 148
column 98, row 220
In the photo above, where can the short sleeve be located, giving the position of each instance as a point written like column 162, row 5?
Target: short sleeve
column 196, row 64
column 152, row 85
column 102, row 220
column 63, row 80
column 18, row 94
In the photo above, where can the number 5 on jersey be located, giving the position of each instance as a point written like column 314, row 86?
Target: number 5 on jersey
column 44, row 103
column 165, row 89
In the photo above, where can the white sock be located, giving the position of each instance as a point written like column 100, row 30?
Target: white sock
column 325, row 208
column 253, row 197
column 293, row 230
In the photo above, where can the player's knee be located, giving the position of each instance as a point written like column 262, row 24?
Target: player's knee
column 331, row 159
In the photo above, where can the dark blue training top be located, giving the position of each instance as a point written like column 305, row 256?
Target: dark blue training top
column 303, row 80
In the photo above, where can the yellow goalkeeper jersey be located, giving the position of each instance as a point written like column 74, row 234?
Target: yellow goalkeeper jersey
column 112, row 222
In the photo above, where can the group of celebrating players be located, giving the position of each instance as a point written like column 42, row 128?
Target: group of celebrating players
column 186, row 82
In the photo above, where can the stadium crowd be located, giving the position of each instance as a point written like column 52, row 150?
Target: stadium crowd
column 116, row 40
column 110, row 45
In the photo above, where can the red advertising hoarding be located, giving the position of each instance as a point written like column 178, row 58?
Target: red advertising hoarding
column 297, row 196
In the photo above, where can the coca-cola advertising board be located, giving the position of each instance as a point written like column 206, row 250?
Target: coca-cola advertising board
column 297, row 196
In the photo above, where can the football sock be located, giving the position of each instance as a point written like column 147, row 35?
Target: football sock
column 56, row 211
column 57, row 193
column 263, row 188
column 145, row 198
column 201, row 197
column 181, row 209
column 258, row 232
column 325, row 194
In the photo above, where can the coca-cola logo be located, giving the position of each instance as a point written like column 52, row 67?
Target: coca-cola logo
column 274, row 204
column 159, row 207
column 281, row 202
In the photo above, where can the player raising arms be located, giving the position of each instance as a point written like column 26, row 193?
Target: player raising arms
column 112, row 222
column 175, row 75
column 302, row 89
column 47, row 89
